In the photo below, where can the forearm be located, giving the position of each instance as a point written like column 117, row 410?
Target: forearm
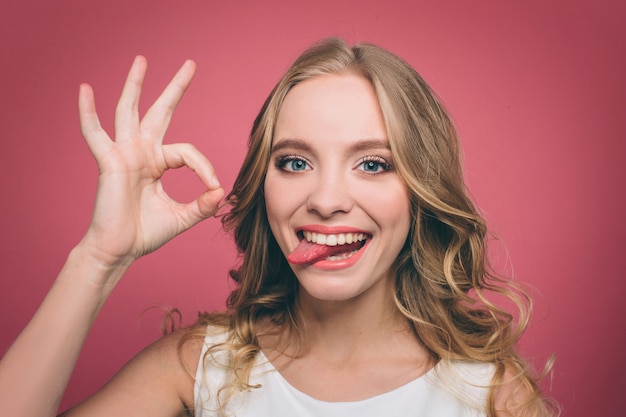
column 36, row 369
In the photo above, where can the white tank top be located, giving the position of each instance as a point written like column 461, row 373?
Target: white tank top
column 450, row 389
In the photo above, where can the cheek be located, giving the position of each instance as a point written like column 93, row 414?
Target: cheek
column 284, row 196
column 272, row 198
column 279, row 203
column 397, row 218
column 272, row 210
column 401, row 206
column 387, row 202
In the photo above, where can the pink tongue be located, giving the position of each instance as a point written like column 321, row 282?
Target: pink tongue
column 308, row 253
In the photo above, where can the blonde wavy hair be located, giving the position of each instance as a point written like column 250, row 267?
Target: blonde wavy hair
column 443, row 282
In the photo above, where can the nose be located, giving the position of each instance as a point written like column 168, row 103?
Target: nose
column 329, row 195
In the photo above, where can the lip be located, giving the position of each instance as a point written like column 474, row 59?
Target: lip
column 329, row 230
column 342, row 264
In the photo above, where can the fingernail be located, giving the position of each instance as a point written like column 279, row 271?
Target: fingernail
column 214, row 182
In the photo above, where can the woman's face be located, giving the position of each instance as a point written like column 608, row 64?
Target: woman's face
column 335, row 204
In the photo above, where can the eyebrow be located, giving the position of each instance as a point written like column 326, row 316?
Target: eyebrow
column 358, row 145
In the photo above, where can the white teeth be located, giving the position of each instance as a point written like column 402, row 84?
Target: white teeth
column 341, row 257
column 333, row 240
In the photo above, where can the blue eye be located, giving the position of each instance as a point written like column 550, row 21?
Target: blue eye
column 297, row 165
column 374, row 165
column 292, row 164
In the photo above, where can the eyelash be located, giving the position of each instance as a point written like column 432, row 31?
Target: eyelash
column 382, row 163
column 283, row 160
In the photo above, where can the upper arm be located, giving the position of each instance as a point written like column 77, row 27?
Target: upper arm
column 154, row 383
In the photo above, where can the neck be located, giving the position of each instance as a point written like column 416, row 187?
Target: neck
column 351, row 349
column 346, row 332
column 367, row 323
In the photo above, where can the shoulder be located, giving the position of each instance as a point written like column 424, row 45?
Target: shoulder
column 172, row 361
column 467, row 382
column 507, row 391
column 465, row 374
column 499, row 392
column 157, row 381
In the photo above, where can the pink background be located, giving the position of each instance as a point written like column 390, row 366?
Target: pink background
column 536, row 88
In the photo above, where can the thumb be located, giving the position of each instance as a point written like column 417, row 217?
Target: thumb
column 209, row 202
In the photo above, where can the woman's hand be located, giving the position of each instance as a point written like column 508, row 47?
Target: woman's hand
column 133, row 215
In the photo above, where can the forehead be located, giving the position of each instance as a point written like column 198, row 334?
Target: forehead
column 337, row 106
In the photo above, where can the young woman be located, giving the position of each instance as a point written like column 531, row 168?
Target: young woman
column 363, row 287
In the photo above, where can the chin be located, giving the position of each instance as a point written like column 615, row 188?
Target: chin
column 333, row 289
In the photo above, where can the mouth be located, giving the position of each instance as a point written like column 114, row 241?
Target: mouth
column 315, row 246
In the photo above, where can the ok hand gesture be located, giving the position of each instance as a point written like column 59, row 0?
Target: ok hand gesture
column 133, row 215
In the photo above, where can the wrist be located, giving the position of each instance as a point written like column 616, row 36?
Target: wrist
column 87, row 251
column 93, row 269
